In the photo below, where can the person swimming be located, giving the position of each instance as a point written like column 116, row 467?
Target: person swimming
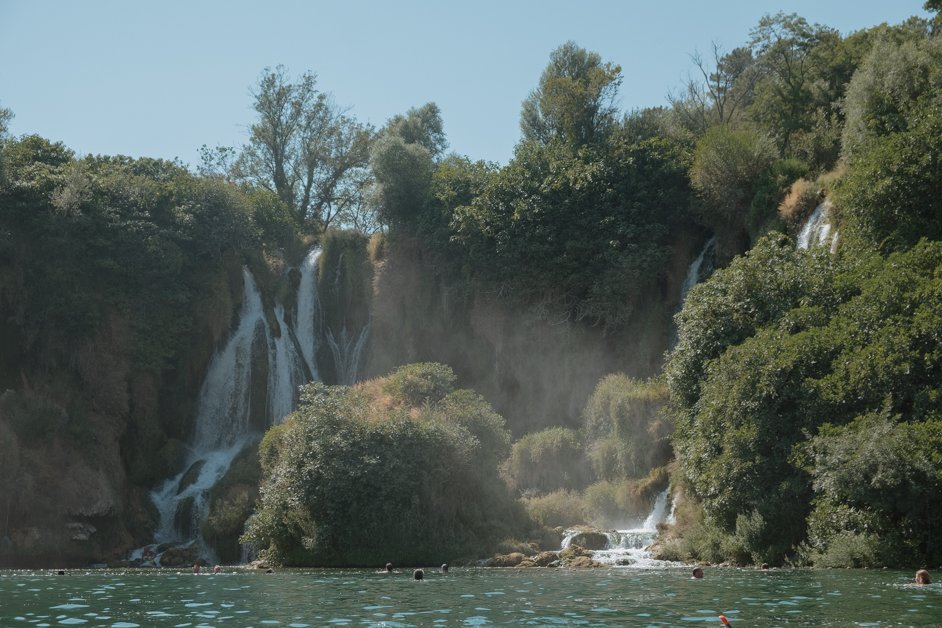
column 418, row 574
column 697, row 573
column 387, row 569
column 444, row 567
column 923, row 577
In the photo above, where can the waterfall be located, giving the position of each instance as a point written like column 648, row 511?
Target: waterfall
column 285, row 370
column 224, row 426
column 223, row 409
column 817, row 229
column 347, row 350
column 629, row 547
column 700, row 269
column 308, row 319
column 697, row 271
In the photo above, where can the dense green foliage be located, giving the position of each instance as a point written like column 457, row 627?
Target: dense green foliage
column 805, row 386
column 626, row 428
column 607, row 473
column 785, row 343
column 584, row 231
column 362, row 476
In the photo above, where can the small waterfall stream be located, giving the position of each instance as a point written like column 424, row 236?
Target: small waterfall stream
column 701, row 268
column 817, row 229
column 629, row 547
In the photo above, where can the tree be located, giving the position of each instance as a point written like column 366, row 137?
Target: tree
column 723, row 93
column 783, row 46
column 891, row 196
column 890, row 90
column 5, row 116
column 410, row 460
column 574, row 100
column 304, row 148
column 403, row 159
column 727, row 165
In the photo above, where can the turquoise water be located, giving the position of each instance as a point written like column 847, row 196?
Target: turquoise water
column 469, row 597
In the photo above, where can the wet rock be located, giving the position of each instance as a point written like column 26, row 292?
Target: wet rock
column 590, row 539
column 546, row 559
column 506, row 560
column 577, row 557
column 179, row 556
column 80, row 531
column 191, row 476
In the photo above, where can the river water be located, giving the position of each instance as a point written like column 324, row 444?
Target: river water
column 467, row 596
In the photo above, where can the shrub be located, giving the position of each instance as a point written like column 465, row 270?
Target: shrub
column 417, row 384
column 803, row 196
column 414, row 479
column 557, row 509
column 547, row 461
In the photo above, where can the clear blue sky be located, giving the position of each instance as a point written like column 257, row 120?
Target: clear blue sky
column 161, row 78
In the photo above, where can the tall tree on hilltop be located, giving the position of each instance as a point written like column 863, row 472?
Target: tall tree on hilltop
column 305, row 148
column 403, row 159
column 784, row 47
column 723, row 94
column 574, row 100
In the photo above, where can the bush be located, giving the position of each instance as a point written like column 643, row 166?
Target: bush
column 726, row 167
column 803, row 196
column 557, row 509
column 625, row 431
column 414, row 479
column 546, row 461
column 421, row 383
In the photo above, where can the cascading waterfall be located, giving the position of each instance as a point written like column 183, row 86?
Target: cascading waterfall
column 629, row 547
column 308, row 319
column 223, row 424
column 347, row 350
column 346, row 347
column 698, row 270
column 817, row 229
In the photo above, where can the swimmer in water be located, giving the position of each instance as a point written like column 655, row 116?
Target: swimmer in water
column 387, row 569
column 697, row 573
column 445, row 568
column 196, row 568
column 923, row 577
column 418, row 574
column 217, row 569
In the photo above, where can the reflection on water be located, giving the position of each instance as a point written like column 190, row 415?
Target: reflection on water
column 598, row 597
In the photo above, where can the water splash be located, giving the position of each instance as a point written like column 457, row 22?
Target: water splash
column 629, row 548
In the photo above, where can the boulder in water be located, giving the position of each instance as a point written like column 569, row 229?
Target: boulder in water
column 590, row 540
column 578, row 557
column 546, row 559
column 506, row 560
column 179, row 556
column 191, row 476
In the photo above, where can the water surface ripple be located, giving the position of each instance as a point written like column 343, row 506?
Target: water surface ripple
column 299, row 598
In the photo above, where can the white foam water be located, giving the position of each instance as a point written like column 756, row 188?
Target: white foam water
column 629, row 548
